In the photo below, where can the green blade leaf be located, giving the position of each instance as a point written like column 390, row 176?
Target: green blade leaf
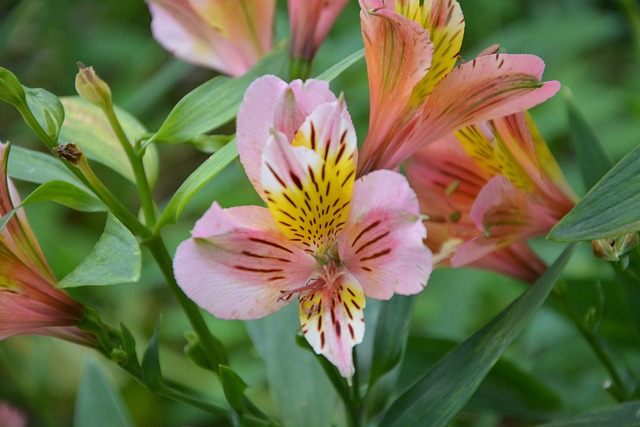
column 66, row 194
column 86, row 126
column 151, row 372
column 47, row 109
column 337, row 69
column 114, row 259
column 34, row 166
column 625, row 415
column 11, row 91
column 97, row 404
column 233, row 387
column 202, row 175
column 610, row 209
column 391, row 334
column 438, row 396
column 593, row 160
column 215, row 102
column 309, row 400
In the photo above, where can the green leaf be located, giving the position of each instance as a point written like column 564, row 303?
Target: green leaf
column 202, row 175
column 337, row 69
column 34, row 166
column 609, row 209
column 624, row 415
column 114, row 259
column 593, row 159
column 438, row 396
column 66, row 194
column 47, row 109
column 233, row 387
column 151, row 372
column 129, row 346
column 298, row 385
column 391, row 334
column 97, row 404
column 86, row 126
column 11, row 91
column 215, row 102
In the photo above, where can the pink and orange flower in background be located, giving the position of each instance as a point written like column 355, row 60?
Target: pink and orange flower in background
column 417, row 93
column 486, row 189
column 229, row 36
column 29, row 302
column 325, row 238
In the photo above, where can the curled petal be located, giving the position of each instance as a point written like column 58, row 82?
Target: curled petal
column 310, row 22
column 308, row 185
column 516, row 260
column 270, row 103
column 332, row 321
column 238, row 264
column 382, row 243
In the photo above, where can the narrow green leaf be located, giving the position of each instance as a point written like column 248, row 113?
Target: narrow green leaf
column 233, row 387
column 34, row 166
column 47, row 109
column 202, row 175
column 391, row 334
column 97, row 404
column 151, row 372
column 11, row 91
column 610, row 209
column 195, row 353
column 338, row 68
column 593, row 159
column 66, row 194
column 86, row 126
column 129, row 345
column 215, row 102
column 438, row 396
column 624, row 415
column 307, row 401
column 114, row 259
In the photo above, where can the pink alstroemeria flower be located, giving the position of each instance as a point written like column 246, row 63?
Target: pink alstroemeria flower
column 325, row 237
column 487, row 189
column 416, row 94
column 310, row 22
column 226, row 35
column 10, row 416
column 29, row 303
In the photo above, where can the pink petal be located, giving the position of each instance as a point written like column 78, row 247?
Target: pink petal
column 332, row 321
column 238, row 263
column 490, row 86
column 310, row 22
column 516, row 260
column 382, row 243
column 270, row 103
column 398, row 53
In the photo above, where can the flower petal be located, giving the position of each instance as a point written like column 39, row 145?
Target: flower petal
column 308, row 185
column 516, row 260
column 238, row 263
column 398, row 52
column 332, row 321
column 382, row 243
column 271, row 103
column 310, row 22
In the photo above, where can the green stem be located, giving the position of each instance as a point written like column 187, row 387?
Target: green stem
column 210, row 345
column 135, row 159
column 170, row 393
column 619, row 391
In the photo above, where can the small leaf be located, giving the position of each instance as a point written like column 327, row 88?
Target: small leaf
column 593, row 160
column 86, row 126
column 151, row 372
column 233, row 387
column 34, row 166
column 624, row 415
column 47, row 109
column 97, row 404
column 611, row 208
column 11, row 91
column 195, row 353
column 338, row 68
column 391, row 335
column 114, row 259
column 66, row 194
column 215, row 102
column 129, row 345
column 202, row 175
column 438, row 396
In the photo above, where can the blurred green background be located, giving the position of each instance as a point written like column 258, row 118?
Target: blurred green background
column 591, row 46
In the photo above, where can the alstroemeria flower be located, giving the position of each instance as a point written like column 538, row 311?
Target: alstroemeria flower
column 310, row 22
column 486, row 189
column 325, row 238
column 226, row 35
column 29, row 303
column 417, row 96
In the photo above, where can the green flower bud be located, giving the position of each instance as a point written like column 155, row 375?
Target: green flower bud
column 91, row 87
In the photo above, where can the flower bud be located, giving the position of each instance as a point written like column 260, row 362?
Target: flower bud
column 612, row 248
column 91, row 87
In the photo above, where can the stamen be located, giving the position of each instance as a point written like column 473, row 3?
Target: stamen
column 312, row 285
